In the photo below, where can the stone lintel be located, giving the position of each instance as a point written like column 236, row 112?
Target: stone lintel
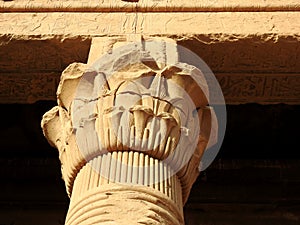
column 262, row 47
column 148, row 6
column 240, row 24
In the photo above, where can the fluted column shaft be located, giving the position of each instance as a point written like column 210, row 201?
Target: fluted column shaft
column 118, row 187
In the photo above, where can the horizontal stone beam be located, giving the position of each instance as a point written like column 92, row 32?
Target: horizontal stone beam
column 248, row 51
column 36, row 54
column 240, row 24
column 238, row 88
column 148, row 6
column 223, row 54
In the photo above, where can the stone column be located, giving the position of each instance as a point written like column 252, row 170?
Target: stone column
column 130, row 130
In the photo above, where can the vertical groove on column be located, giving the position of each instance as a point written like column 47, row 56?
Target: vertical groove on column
column 146, row 170
column 151, row 172
column 124, row 167
column 119, row 166
column 156, row 174
column 102, row 165
column 129, row 167
column 135, row 168
column 141, row 177
column 162, row 178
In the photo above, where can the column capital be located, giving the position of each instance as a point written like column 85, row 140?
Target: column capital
column 135, row 116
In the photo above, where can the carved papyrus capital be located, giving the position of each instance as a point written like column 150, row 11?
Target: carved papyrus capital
column 137, row 120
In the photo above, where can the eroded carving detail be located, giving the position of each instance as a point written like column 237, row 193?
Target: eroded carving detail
column 237, row 88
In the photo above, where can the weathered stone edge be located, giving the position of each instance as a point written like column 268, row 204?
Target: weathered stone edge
column 149, row 6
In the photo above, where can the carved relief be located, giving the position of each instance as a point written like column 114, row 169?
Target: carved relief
column 260, row 88
column 237, row 88
column 28, row 88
